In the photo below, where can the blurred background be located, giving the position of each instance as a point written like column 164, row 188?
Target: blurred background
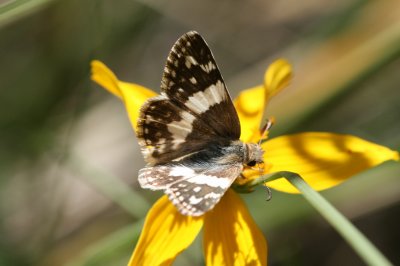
column 69, row 157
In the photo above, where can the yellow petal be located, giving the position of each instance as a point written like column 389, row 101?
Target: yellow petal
column 277, row 77
column 134, row 97
column 231, row 237
column 250, row 107
column 165, row 234
column 132, row 94
column 103, row 76
column 250, row 104
column 324, row 160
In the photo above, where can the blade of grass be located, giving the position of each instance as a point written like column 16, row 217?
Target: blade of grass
column 113, row 187
column 14, row 10
column 340, row 64
column 111, row 246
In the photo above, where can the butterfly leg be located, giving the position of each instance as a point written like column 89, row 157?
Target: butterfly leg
column 269, row 193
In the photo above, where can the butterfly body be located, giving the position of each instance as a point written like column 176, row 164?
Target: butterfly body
column 189, row 135
column 217, row 154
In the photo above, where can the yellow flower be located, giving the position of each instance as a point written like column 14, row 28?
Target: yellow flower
column 231, row 236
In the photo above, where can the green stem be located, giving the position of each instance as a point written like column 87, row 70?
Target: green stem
column 365, row 249
column 249, row 186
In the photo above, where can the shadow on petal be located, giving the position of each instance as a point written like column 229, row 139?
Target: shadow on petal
column 249, row 106
column 231, row 237
column 324, row 160
column 166, row 233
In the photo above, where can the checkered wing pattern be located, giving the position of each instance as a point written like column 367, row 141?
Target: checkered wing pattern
column 186, row 133
column 194, row 108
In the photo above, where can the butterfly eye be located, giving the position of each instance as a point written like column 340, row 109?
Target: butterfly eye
column 252, row 163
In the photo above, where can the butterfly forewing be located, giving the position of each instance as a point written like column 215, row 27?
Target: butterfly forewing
column 192, row 81
column 194, row 107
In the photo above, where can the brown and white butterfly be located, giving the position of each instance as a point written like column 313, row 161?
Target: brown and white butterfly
column 189, row 135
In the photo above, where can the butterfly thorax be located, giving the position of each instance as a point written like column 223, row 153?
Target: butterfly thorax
column 216, row 153
column 253, row 154
column 245, row 153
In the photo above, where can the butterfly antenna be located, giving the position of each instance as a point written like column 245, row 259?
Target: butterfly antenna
column 265, row 129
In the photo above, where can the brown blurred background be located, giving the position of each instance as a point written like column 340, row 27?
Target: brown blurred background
column 69, row 158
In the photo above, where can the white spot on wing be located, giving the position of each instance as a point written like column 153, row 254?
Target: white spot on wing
column 180, row 129
column 198, row 102
column 193, row 80
column 216, row 93
column 201, row 179
column 193, row 200
column 197, row 189
column 212, row 195
column 190, row 61
column 201, row 101
column 208, row 67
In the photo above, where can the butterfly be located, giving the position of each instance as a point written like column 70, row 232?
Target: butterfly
column 189, row 134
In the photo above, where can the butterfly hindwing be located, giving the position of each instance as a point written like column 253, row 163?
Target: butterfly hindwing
column 194, row 107
column 193, row 191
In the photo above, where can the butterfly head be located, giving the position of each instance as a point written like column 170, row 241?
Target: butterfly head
column 254, row 154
